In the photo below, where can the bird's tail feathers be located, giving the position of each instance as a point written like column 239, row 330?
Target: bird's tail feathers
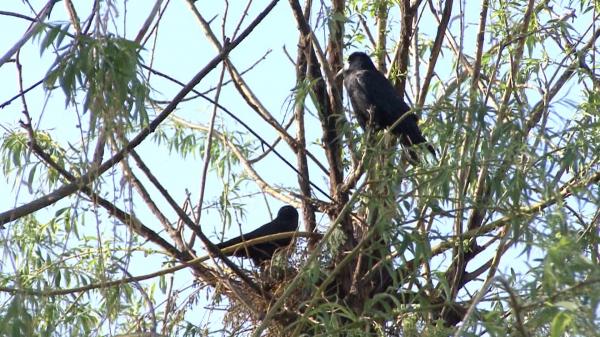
column 410, row 142
column 432, row 151
column 229, row 243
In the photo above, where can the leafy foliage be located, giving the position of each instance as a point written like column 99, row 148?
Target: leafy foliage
column 497, row 237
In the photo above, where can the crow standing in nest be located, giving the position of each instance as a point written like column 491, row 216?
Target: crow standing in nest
column 377, row 104
column 286, row 221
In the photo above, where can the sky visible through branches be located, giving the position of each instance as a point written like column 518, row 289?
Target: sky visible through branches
column 180, row 51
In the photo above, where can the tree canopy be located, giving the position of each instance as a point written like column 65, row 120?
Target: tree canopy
column 137, row 135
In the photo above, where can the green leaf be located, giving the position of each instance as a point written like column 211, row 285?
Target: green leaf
column 560, row 324
column 31, row 176
column 57, row 278
column 49, row 38
column 571, row 306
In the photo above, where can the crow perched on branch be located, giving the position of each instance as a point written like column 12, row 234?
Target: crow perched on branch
column 377, row 104
column 286, row 221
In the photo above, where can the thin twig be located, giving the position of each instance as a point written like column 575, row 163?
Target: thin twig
column 144, row 29
column 435, row 50
column 208, row 150
column 254, row 133
column 182, row 265
column 266, row 187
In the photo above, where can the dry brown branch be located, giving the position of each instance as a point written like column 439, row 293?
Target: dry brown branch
column 367, row 30
column 270, row 147
column 146, row 25
column 479, row 50
column 407, row 13
column 477, row 81
column 328, row 100
column 73, row 16
column 207, row 149
column 139, row 187
column 308, row 210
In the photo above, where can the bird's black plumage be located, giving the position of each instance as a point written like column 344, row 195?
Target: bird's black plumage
column 377, row 104
column 286, row 221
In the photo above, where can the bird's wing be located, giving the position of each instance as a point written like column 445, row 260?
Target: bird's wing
column 358, row 96
column 381, row 94
column 384, row 92
column 391, row 107
column 238, row 239
column 373, row 96
column 266, row 229
column 276, row 226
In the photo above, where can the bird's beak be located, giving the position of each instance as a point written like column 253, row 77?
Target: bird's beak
column 340, row 73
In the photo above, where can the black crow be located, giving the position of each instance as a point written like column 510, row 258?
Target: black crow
column 286, row 221
column 376, row 102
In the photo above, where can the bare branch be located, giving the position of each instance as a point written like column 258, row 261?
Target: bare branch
column 435, row 50
column 308, row 211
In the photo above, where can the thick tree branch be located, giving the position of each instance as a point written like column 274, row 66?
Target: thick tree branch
column 407, row 13
column 308, row 210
